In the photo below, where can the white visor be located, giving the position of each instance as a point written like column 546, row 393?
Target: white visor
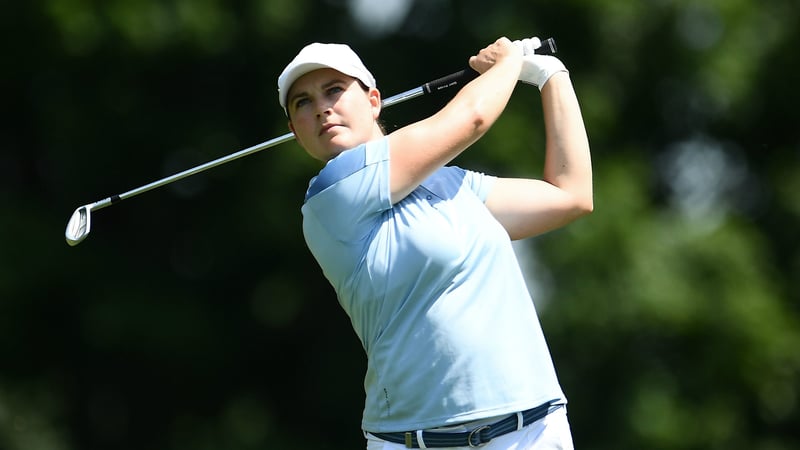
column 320, row 56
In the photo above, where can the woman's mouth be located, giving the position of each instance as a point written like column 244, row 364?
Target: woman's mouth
column 326, row 128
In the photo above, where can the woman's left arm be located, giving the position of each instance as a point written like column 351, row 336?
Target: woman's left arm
column 527, row 207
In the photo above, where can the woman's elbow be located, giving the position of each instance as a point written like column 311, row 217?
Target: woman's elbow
column 581, row 203
column 480, row 115
column 584, row 206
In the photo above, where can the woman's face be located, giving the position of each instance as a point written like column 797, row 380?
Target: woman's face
column 330, row 112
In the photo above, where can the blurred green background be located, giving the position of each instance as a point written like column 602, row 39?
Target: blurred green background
column 194, row 317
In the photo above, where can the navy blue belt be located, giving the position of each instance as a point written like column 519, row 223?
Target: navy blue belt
column 474, row 438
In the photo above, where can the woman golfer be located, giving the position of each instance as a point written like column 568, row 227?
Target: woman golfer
column 420, row 253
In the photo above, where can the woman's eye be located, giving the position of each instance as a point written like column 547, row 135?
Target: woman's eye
column 301, row 102
column 335, row 90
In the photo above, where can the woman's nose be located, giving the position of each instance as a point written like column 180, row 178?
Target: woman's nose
column 324, row 108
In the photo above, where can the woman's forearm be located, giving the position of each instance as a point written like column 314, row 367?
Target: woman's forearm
column 567, row 160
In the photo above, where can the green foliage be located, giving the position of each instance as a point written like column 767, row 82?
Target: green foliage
column 196, row 318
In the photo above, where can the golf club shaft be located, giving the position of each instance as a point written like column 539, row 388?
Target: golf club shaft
column 188, row 172
column 456, row 79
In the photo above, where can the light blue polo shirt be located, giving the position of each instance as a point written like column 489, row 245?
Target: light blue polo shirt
column 433, row 290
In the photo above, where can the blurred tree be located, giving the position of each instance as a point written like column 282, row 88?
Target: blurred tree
column 196, row 318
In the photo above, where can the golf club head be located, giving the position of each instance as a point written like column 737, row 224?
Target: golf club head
column 79, row 225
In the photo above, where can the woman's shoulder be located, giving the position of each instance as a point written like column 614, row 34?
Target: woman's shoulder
column 347, row 164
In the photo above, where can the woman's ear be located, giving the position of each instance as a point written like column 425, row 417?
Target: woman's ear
column 375, row 101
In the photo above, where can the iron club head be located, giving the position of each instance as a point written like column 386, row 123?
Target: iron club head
column 79, row 225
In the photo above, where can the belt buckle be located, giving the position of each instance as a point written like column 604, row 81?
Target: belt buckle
column 473, row 433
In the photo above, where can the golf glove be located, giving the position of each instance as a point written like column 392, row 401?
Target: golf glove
column 537, row 69
column 528, row 45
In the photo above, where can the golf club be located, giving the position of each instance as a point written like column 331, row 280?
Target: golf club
column 80, row 222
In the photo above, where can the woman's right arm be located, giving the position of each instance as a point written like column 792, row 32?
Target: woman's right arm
column 419, row 149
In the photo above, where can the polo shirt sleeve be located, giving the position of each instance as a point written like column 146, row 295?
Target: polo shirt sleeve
column 480, row 183
column 351, row 191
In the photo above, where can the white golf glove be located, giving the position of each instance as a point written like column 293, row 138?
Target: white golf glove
column 537, row 69
column 528, row 45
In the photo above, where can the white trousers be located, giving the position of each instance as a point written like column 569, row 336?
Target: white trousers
column 549, row 433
